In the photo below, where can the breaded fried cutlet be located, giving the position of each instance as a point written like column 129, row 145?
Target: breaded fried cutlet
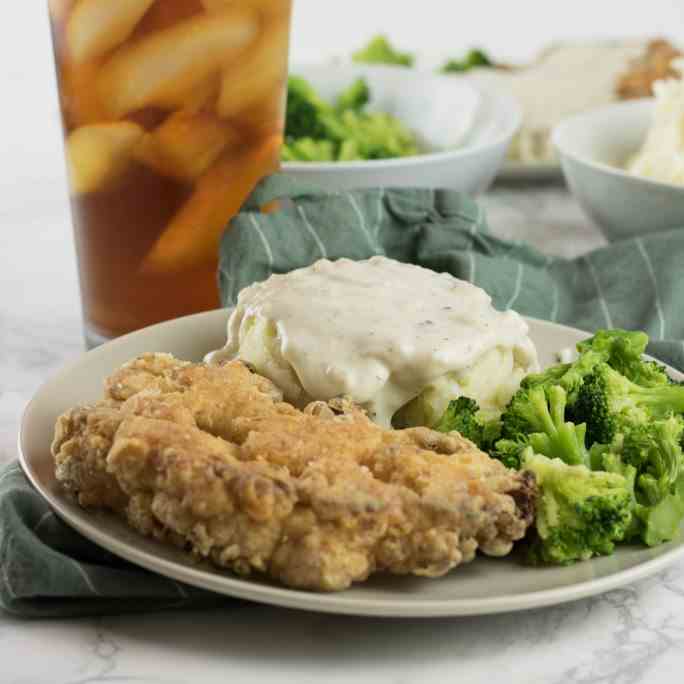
column 210, row 458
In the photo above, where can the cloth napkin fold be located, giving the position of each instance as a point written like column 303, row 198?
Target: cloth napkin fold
column 47, row 569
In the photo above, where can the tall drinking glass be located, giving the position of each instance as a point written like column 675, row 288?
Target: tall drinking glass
column 172, row 110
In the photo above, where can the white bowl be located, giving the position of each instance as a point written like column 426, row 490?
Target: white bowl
column 593, row 149
column 464, row 128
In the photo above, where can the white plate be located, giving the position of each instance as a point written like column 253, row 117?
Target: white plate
column 530, row 171
column 487, row 585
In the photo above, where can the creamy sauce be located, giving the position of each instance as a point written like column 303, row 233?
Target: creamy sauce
column 377, row 330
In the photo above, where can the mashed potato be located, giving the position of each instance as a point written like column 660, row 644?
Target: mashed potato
column 492, row 380
column 662, row 154
column 398, row 339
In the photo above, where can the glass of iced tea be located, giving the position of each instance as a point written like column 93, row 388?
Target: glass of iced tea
column 172, row 111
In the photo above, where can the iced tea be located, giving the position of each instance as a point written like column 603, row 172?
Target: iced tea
column 172, row 111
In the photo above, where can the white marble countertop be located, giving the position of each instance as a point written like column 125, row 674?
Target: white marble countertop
column 634, row 635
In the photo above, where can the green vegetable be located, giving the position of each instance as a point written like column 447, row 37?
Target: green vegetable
column 569, row 376
column 536, row 417
column 464, row 416
column 376, row 135
column 623, row 351
column 509, row 452
column 306, row 113
column 316, row 130
column 610, row 404
column 355, row 97
column 308, row 149
column 655, row 452
column 474, row 58
column 379, row 51
column 580, row 513
column 652, row 451
column 630, row 412
column 661, row 523
column 524, row 413
column 627, row 345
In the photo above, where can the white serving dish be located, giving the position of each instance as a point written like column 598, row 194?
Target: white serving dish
column 594, row 148
column 465, row 128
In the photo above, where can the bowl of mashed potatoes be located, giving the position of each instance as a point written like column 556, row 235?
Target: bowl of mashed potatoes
column 625, row 162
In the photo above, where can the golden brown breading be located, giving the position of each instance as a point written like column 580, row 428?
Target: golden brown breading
column 211, row 458
column 655, row 64
column 216, row 395
column 143, row 372
column 82, row 441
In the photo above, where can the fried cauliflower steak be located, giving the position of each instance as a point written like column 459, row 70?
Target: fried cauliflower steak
column 211, row 459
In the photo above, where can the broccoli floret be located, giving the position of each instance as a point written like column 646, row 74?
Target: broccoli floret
column 651, row 455
column 617, row 343
column 536, row 417
column 525, row 413
column 355, row 97
column 565, row 441
column 306, row 113
column 379, row 51
column 580, row 513
column 623, row 351
column 655, row 452
column 317, row 131
column 620, row 349
column 569, row 376
column 509, row 452
column 661, row 523
column 648, row 374
column 549, row 376
column 375, row 135
column 464, row 416
column 600, row 454
column 474, row 58
column 308, row 149
column 610, row 404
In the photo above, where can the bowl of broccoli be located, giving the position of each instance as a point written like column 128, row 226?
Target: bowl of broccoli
column 369, row 125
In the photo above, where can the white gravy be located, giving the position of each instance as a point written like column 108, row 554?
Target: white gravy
column 377, row 330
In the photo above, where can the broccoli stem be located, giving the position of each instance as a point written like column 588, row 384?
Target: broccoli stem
column 661, row 400
column 549, row 434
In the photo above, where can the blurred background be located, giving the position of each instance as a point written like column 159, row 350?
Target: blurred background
column 30, row 136
column 435, row 29
column 509, row 30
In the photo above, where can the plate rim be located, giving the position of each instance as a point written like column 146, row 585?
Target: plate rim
column 331, row 603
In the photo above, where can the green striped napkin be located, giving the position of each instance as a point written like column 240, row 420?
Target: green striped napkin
column 46, row 569
column 49, row 570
